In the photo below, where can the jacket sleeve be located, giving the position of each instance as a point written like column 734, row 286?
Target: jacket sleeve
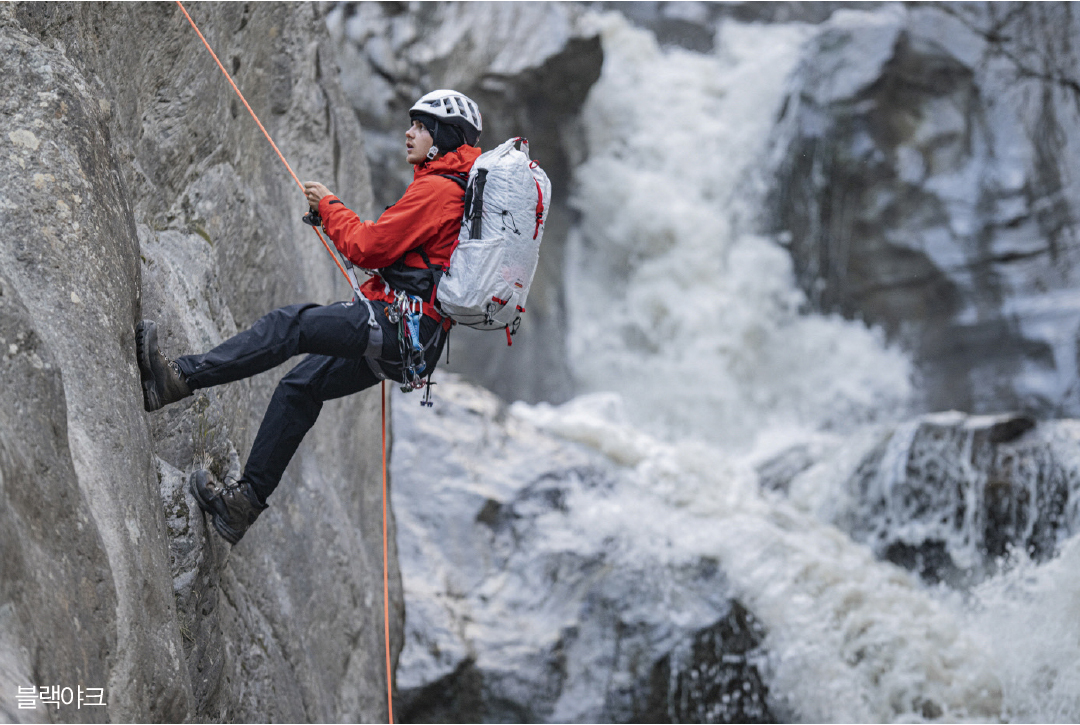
column 376, row 244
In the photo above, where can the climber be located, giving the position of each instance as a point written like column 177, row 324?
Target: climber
column 351, row 345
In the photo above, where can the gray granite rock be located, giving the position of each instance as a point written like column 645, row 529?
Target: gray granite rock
column 953, row 497
column 521, row 610
column 58, row 601
column 925, row 163
column 137, row 187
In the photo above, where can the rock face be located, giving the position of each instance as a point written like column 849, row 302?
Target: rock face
column 954, row 498
column 137, row 186
column 519, row 610
column 926, row 175
column 529, row 66
column 923, row 169
column 40, row 498
column 950, row 496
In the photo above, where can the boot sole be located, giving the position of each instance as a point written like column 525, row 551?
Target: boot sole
column 226, row 531
column 145, row 340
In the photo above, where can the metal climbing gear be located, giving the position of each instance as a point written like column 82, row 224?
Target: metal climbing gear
column 406, row 312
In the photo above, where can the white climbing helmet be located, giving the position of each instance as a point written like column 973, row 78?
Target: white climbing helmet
column 454, row 109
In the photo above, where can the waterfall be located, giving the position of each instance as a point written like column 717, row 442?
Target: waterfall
column 698, row 364
column 692, row 339
column 676, row 303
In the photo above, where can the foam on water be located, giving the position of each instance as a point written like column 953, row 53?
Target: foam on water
column 852, row 639
column 1029, row 618
column 675, row 303
column 686, row 331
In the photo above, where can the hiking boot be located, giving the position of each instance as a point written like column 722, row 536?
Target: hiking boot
column 162, row 381
column 234, row 507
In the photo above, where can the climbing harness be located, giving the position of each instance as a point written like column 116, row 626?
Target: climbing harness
column 350, row 275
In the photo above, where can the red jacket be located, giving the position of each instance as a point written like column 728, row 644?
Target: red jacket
column 428, row 215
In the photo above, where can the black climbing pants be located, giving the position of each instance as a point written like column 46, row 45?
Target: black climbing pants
column 335, row 337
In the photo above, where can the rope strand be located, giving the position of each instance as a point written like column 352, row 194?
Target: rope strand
column 261, row 128
column 386, row 575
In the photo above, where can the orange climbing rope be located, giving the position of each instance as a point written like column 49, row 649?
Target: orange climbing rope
column 386, row 576
column 261, row 127
column 385, row 564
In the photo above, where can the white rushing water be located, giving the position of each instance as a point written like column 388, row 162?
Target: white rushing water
column 687, row 337
column 674, row 302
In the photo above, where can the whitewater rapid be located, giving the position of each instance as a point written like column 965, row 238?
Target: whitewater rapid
column 674, row 301
column 696, row 361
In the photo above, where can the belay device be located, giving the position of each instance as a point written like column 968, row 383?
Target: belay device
column 493, row 263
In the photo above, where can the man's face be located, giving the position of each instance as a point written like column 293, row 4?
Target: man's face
column 417, row 142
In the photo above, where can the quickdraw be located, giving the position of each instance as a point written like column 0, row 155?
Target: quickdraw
column 405, row 312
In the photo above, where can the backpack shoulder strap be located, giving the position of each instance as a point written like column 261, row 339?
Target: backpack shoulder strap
column 414, row 281
column 459, row 177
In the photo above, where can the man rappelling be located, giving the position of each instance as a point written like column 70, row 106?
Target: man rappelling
column 391, row 329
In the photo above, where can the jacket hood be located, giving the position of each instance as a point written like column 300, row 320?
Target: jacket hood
column 459, row 160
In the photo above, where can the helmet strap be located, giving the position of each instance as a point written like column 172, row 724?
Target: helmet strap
column 434, row 150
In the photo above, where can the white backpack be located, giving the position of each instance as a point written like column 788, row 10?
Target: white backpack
column 493, row 263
